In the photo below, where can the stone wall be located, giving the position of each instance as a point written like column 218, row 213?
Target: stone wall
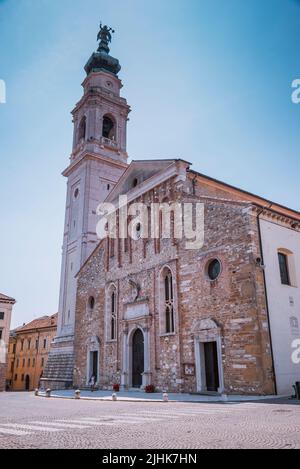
column 235, row 302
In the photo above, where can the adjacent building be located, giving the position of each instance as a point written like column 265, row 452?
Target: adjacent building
column 6, row 306
column 150, row 307
column 28, row 353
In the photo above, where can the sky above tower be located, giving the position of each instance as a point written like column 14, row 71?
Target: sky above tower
column 208, row 81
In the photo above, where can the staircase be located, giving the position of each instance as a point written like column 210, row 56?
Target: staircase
column 58, row 372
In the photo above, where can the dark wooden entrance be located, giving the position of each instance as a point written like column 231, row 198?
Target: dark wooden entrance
column 94, row 365
column 137, row 358
column 27, row 383
column 211, row 366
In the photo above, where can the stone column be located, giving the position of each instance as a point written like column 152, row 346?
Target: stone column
column 124, row 375
column 147, row 370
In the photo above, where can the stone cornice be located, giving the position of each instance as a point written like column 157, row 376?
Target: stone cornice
column 9, row 301
column 86, row 155
column 276, row 217
column 99, row 97
column 35, row 330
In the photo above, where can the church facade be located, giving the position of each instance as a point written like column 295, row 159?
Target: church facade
column 146, row 305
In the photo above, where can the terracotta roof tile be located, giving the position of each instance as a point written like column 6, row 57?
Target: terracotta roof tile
column 40, row 323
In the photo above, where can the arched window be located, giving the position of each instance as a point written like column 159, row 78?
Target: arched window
column 82, row 129
column 113, row 316
column 109, row 128
column 169, row 302
column 138, row 231
column 111, row 313
column 91, row 303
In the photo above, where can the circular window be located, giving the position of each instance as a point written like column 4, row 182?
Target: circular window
column 76, row 193
column 91, row 302
column 214, row 269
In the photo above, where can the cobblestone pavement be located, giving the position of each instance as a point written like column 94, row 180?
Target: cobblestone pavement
column 36, row 422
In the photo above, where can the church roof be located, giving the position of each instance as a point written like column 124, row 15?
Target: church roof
column 99, row 61
column 39, row 323
column 6, row 299
column 249, row 196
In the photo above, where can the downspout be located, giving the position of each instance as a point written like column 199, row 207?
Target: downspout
column 266, row 291
column 194, row 184
column 36, row 359
column 14, row 365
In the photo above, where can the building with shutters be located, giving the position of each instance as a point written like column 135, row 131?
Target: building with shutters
column 28, row 353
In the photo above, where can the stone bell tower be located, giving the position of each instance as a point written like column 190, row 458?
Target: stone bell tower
column 98, row 160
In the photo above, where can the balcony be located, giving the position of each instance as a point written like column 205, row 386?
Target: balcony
column 107, row 142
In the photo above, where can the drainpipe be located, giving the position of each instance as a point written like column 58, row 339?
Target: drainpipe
column 14, row 364
column 36, row 361
column 266, row 291
column 194, row 184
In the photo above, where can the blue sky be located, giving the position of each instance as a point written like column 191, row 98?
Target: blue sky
column 207, row 80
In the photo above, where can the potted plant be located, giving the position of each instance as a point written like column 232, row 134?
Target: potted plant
column 150, row 388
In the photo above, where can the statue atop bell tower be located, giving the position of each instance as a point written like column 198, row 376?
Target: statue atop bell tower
column 98, row 160
column 101, row 60
column 104, row 36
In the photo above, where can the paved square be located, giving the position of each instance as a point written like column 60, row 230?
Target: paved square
column 36, row 422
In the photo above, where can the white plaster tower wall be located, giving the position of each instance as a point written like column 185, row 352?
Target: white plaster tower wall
column 97, row 162
column 88, row 186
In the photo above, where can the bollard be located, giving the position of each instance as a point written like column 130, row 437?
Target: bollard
column 165, row 397
column 114, row 396
column 36, row 392
column 48, row 392
column 77, row 394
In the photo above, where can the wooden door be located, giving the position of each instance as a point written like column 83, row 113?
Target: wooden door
column 137, row 358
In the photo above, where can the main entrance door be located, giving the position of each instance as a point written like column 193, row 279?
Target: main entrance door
column 137, row 358
column 211, row 366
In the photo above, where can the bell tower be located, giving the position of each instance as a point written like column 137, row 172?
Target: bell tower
column 97, row 161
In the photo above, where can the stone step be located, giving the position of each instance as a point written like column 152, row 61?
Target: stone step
column 59, row 366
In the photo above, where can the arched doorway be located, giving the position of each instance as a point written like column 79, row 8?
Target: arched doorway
column 27, row 383
column 93, row 360
column 137, row 358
